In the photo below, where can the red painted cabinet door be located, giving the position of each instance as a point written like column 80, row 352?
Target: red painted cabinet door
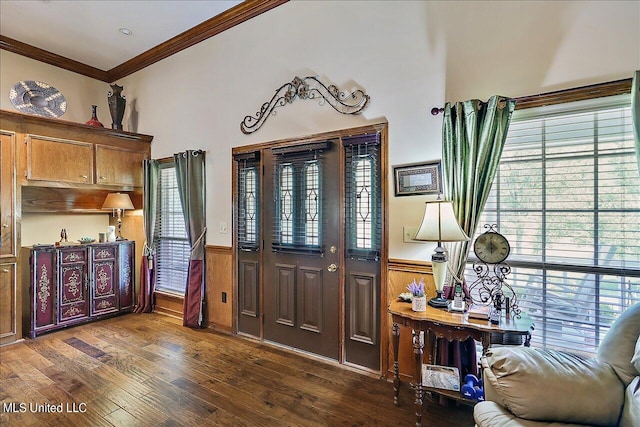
column 126, row 274
column 43, row 289
column 104, row 298
column 73, row 301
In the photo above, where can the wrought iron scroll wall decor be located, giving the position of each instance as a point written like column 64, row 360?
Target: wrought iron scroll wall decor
column 307, row 88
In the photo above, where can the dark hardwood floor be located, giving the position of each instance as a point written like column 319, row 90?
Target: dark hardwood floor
column 148, row 370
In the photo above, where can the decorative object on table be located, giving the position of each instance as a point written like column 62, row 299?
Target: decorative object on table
column 439, row 224
column 93, row 121
column 118, row 203
column 306, row 88
column 479, row 312
column 491, row 286
column 418, row 298
column 38, row 98
column 418, row 178
column 102, row 237
column 405, row 297
column 111, row 233
column 117, row 104
column 63, row 235
column 458, row 303
column 86, row 240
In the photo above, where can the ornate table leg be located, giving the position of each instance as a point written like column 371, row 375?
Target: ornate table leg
column 418, row 348
column 396, row 370
column 486, row 342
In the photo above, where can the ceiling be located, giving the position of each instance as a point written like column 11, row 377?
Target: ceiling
column 89, row 31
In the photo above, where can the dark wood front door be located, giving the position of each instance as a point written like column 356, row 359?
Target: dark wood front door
column 308, row 221
column 302, row 247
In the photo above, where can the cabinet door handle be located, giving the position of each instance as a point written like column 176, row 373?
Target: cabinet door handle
column 4, row 270
column 84, row 176
column 5, row 225
column 103, row 177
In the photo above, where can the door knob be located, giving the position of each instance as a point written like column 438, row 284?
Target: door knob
column 332, row 267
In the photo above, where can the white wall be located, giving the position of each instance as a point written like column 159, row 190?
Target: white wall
column 45, row 228
column 409, row 56
column 80, row 92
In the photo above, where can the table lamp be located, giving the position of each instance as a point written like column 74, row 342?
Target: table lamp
column 118, row 203
column 439, row 225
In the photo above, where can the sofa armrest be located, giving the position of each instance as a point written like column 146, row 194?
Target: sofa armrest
column 548, row 385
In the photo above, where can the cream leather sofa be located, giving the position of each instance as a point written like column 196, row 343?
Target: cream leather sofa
column 535, row 388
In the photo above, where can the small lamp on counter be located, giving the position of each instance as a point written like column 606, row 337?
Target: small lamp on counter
column 440, row 225
column 118, row 203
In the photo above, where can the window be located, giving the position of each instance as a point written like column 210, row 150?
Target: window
column 312, row 201
column 362, row 192
column 248, row 203
column 297, row 223
column 172, row 245
column 567, row 195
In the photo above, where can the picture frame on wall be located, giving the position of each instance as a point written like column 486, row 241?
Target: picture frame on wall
column 418, row 178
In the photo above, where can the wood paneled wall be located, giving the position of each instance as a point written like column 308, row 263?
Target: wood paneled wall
column 218, row 314
column 400, row 274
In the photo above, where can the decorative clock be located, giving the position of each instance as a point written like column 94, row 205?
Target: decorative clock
column 491, row 287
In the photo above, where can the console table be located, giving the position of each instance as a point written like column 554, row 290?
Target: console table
column 439, row 323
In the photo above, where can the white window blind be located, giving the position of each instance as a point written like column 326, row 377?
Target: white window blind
column 567, row 196
column 172, row 245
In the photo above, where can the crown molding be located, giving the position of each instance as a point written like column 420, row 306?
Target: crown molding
column 51, row 58
column 209, row 28
column 236, row 15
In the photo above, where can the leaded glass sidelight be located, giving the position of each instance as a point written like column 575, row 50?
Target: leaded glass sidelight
column 286, row 198
column 248, row 196
column 362, row 196
column 364, row 202
column 250, row 204
column 312, row 203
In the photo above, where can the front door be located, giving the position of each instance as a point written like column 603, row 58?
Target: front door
column 302, row 247
column 309, row 245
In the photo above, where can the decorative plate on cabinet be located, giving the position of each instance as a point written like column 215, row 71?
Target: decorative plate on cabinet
column 38, row 98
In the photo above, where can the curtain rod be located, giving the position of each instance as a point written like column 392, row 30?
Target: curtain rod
column 597, row 90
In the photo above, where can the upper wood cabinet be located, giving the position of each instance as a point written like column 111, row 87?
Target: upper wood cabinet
column 8, row 243
column 59, row 160
column 55, row 153
column 119, row 166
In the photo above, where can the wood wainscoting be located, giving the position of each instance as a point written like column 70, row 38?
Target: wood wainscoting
column 219, row 293
column 218, row 310
column 171, row 305
column 400, row 274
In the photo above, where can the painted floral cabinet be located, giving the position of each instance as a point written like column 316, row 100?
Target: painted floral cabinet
column 69, row 285
column 103, row 274
column 72, row 286
column 126, row 263
column 40, row 300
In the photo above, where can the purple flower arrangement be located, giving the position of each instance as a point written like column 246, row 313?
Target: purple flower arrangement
column 416, row 289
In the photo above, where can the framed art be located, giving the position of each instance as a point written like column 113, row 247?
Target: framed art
column 418, row 178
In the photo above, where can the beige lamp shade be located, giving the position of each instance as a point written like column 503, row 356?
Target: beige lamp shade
column 439, row 224
column 116, row 201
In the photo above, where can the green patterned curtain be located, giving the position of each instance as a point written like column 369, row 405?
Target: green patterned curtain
column 150, row 206
column 473, row 135
column 635, row 111
column 190, row 174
